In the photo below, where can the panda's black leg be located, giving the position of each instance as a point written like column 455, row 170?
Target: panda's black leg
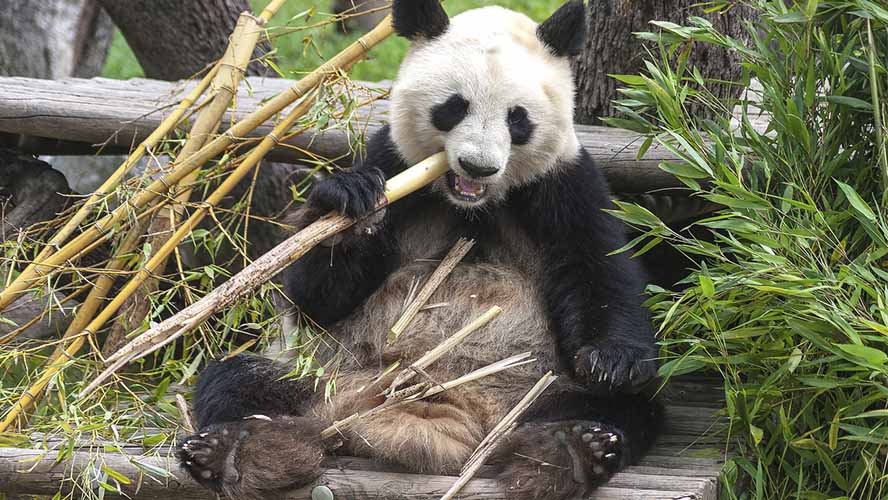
column 251, row 440
column 246, row 385
column 572, row 443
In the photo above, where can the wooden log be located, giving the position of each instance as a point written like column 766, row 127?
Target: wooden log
column 37, row 472
column 115, row 113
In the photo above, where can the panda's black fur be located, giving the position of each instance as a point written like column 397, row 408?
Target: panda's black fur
column 542, row 252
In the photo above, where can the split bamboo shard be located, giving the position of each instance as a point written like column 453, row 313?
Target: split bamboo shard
column 344, row 59
column 263, row 269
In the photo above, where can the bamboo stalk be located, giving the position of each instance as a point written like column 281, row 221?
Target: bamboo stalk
column 264, row 268
column 881, row 145
column 501, row 430
column 232, row 67
column 270, row 10
column 425, row 389
column 160, row 257
column 168, row 124
column 454, row 256
column 348, row 56
column 430, row 357
column 60, row 357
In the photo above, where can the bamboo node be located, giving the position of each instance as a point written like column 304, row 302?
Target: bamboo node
column 274, row 137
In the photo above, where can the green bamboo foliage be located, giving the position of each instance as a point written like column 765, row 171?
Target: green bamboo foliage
column 787, row 300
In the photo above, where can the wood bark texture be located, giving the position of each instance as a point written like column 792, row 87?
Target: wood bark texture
column 173, row 39
column 612, row 48
column 117, row 113
column 53, row 38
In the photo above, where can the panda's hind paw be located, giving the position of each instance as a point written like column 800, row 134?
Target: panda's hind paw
column 596, row 450
column 253, row 457
column 209, row 457
column 560, row 460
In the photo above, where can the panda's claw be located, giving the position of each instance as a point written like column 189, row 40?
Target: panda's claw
column 615, row 367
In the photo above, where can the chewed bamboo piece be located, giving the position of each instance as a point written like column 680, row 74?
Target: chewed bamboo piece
column 426, row 389
column 502, row 429
column 430, row 357
column 263, row 269
column 217, row 146
column 454, row 256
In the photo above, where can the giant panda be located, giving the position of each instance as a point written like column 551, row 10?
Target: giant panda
column 494, row 90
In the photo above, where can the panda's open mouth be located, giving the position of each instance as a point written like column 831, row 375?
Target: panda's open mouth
column 465, row 189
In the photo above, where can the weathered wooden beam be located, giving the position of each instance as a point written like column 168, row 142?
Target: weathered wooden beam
column 37, row 472
column 117, row 114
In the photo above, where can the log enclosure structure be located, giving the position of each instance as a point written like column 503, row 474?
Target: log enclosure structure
column 76, row 116
column 71, row 115
column 683, row 465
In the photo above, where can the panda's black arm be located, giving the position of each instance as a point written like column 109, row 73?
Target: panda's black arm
column 329, row 282
column 594, row 300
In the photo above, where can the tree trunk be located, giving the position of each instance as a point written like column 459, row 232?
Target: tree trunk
column 53, row 38
column 173, row 39
column 611, row 48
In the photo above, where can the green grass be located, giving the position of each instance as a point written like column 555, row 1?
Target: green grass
column 300, row 52
column 789, row 302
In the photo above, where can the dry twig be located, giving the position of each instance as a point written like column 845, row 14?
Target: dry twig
column 502, row 429
column 430, row 357
column 454, row 256
column 425, row 389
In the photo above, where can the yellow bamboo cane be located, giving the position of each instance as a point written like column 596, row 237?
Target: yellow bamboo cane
column 159, row 258
column 344, row 59
column 168, row 124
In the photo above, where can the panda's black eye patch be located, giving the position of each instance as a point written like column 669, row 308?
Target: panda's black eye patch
column 520, row 127
column 448, row 114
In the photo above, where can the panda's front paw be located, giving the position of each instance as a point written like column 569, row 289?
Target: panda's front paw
column 616, row 367
column 354, row 193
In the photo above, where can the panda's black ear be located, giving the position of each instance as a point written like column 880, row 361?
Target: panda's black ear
column 565, row 30
column 415, row 19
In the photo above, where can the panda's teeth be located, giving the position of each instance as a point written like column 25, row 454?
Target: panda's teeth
column 468, row 187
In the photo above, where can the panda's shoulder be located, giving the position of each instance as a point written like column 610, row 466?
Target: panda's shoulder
column 578, row 178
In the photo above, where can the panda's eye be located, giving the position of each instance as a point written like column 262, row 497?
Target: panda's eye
column 448, row 114
column 520, row 127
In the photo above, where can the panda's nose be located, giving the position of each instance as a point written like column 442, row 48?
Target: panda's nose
column 476, row 170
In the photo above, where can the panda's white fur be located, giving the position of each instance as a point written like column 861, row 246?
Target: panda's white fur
column 492, row 57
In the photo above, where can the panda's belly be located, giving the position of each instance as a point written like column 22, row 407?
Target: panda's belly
column 469, row 291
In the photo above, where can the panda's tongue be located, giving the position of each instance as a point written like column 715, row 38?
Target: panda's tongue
column 468, row 187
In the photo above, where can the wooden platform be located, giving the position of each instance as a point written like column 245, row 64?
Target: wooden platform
column 120, row 113
column 683, row 465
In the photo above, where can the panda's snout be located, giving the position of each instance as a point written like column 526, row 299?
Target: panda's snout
column 477, row 169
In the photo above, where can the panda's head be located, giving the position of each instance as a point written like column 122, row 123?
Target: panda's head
column 492, row 88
